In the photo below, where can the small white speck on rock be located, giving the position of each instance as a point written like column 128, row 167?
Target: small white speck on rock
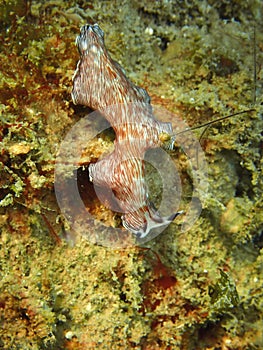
column 149, row 31
column 69, row 335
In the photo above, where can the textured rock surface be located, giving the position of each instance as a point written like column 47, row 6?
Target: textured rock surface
column 180, row 291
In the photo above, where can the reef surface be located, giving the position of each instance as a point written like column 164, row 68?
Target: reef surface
column 200, row 289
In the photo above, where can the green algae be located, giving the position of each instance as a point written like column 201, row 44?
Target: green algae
column 223, row 294
column 183, row 286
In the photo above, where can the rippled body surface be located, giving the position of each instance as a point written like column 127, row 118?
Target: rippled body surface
column 100, row 82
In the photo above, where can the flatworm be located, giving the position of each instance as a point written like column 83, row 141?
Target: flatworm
column 100, row 82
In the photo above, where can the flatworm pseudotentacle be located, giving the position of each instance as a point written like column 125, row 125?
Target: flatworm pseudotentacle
column 100, row 82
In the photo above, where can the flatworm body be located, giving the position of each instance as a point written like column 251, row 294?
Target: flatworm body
column 100, row 82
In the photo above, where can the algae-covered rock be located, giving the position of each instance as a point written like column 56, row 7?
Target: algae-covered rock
column 12, row 10
column 195, row 289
